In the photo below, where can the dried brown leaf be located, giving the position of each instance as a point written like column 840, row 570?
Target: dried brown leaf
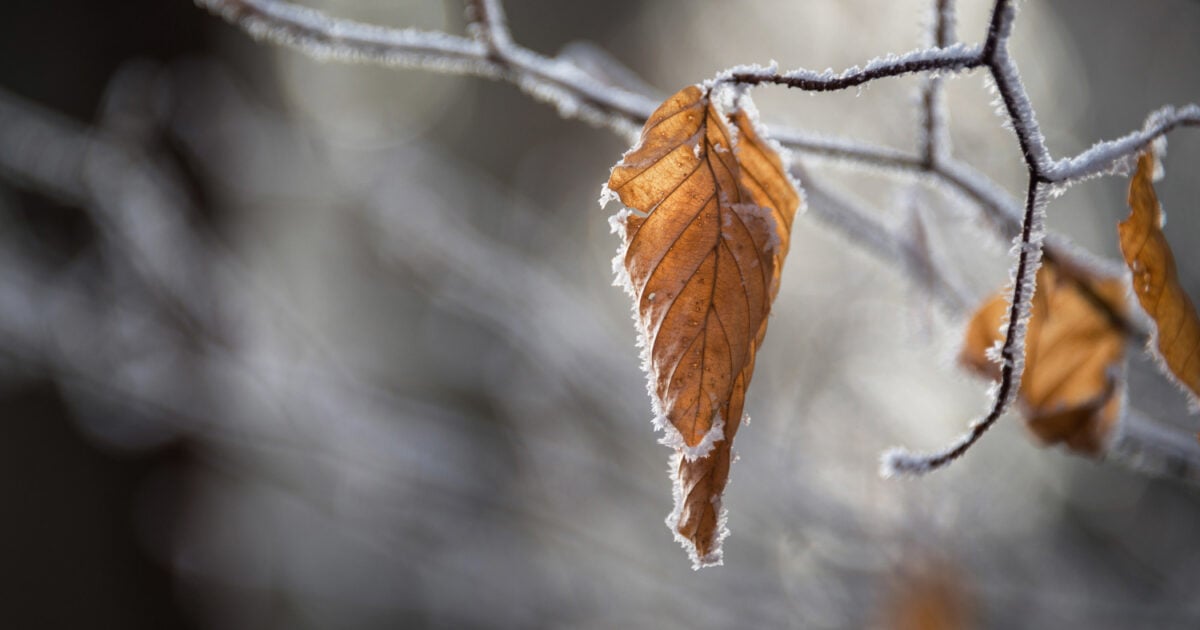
column 1156, row 282
column 1071, row 390
column 702, row 263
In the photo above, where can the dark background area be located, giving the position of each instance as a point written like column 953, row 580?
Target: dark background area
column 70, row 543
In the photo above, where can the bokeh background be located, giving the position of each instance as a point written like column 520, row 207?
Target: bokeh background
column 286, row 344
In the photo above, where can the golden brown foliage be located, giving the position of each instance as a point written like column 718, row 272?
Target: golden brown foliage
column 703, row 263
column 1155, row 281
column 1071, row 390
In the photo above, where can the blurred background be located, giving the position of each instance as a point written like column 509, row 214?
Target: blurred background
column 286, row 344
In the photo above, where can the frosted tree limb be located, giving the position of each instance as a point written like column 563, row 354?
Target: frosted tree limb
column 952, row 58
column 492, row 54
column 575, row 93
column 1012, row 93
column 322, row 36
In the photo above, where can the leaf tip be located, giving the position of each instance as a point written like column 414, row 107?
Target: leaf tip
column 703, row 554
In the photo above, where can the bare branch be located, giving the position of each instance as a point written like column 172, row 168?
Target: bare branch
column 317, row 34
column 575, row 93
column 572, row 91
column 579, row 94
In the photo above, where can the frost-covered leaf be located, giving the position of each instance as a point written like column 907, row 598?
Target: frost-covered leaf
column 1156, row 283
column 702, row 246
column 1072, row 389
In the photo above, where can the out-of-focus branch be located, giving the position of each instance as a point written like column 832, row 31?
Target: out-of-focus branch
column 321, row 35
column 139, row 209
column 559, row 82
column 934, row 141
column 861, row 228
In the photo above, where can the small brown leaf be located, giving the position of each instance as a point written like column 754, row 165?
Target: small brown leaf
column 1156, row 282
column 702, row 264
column 1071, row 390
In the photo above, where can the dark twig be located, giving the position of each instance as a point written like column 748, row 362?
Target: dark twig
column 954, row 58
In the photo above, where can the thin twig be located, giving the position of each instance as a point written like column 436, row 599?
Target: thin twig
column 953, row 58
column 1105, row 157
column 316, row 33
column 860, row 227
